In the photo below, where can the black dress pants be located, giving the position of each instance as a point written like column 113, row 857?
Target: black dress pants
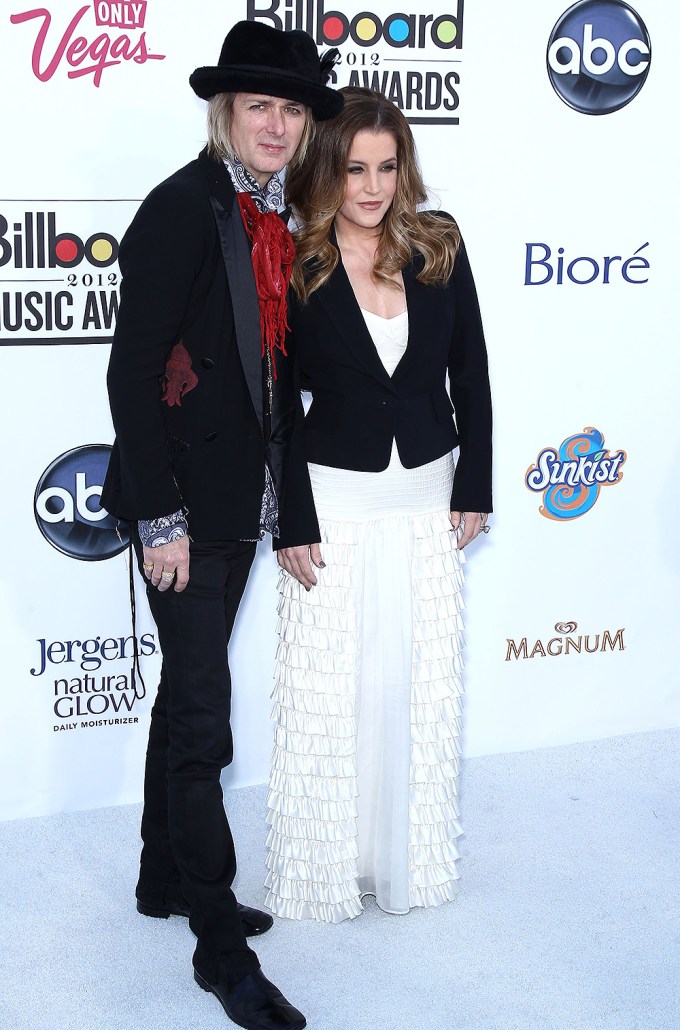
column 188, row 850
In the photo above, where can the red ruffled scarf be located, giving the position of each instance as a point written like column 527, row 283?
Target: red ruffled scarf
column 272, row 253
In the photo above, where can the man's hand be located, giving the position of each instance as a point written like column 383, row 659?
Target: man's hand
column 298, row 562
column 467, row 525
column 168, row 564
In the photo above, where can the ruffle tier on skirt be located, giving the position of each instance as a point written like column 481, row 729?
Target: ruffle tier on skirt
column 363, row 790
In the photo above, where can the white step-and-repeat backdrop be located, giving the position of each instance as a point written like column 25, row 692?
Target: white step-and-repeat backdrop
column 550, row 132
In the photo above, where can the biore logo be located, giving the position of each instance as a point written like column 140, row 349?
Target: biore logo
column 85, row 55
column 67, row 507
column 333, row 28
column 599, row 54
column 35, row 243
column 542, row 266
column 570, row 479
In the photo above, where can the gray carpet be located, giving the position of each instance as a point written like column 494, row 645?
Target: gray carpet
column 568, row 916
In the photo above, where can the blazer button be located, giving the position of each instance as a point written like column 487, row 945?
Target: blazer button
column 207, row 362
column 210, row 437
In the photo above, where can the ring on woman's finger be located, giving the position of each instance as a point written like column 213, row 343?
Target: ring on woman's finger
column 168, row 576
column 148, row 566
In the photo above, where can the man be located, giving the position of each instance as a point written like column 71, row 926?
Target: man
column 203, row 401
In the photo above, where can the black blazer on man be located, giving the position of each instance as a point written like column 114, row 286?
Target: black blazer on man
column 358, row 409
column 188, row 297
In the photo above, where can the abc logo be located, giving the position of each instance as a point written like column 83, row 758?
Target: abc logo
column 598, row 56
column 67, row 507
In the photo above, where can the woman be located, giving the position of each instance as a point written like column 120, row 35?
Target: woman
column 363, row 786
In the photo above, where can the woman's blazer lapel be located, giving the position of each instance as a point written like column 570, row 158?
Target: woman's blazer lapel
column 341, row 307
column 419, row 303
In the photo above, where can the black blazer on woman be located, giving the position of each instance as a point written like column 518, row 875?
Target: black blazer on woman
column 358, row 409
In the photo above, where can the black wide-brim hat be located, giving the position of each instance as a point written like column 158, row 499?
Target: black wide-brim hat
column 257, row 58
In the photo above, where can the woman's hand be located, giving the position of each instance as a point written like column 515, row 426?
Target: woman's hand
column 298, row 562
column 467, row 525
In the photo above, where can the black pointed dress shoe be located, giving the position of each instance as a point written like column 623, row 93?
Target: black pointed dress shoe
column 255, row 1003
column 254, row 921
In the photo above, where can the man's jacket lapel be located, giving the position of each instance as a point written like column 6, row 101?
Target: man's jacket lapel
column 237, row 260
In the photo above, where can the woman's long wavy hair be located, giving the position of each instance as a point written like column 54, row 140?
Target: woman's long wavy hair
column 316, row 190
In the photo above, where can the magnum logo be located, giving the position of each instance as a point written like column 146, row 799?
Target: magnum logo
column 566, row 642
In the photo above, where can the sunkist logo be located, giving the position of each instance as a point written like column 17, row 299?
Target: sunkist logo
column 570, row 478
column 82, row 46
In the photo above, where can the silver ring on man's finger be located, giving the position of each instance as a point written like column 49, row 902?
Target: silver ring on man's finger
column 168, row 576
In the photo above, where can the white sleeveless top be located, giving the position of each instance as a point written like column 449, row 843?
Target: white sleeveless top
column 390, row 336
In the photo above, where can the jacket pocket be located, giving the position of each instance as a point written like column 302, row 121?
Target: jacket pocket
column 177, row 447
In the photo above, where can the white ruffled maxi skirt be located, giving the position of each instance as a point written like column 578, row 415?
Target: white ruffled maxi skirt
column 363, row 795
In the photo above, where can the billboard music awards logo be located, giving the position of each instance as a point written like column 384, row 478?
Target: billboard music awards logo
column 67, row 506
column 599, row 54
column 87, row 41
column 87, row 685
column 565, row 643
column 413, row 58
column 570, row 478
column 59, row 275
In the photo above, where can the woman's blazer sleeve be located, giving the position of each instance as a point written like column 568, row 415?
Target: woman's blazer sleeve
column 470, row 394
